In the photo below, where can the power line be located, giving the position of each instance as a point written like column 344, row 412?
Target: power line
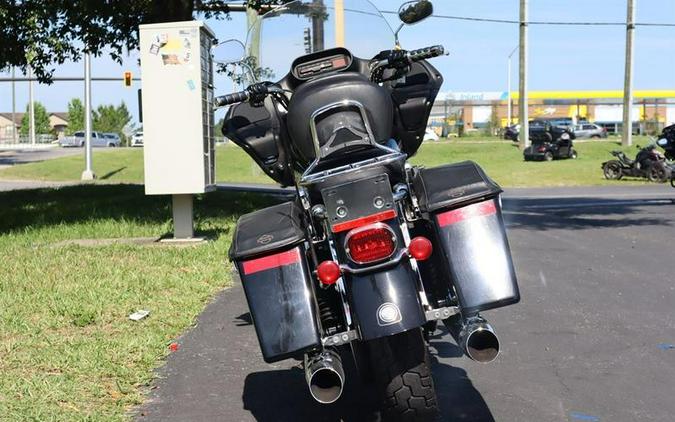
column 509, row 21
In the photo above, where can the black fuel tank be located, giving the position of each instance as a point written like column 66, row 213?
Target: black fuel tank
column 342, row 126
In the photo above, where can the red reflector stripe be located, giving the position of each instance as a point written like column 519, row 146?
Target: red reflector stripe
column 476, row 210
column 362, row 221
column 272, row 261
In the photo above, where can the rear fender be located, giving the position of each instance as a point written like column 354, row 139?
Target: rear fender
column 385, row 302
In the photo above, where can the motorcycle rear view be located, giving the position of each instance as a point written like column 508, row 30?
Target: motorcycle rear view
column 373, row 252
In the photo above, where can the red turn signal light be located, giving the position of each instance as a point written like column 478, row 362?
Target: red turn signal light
column 420, row 248
column 328, row 272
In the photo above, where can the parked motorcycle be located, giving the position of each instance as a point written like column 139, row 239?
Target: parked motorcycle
column 667, row 142
column 374, row 251
column 649, row 163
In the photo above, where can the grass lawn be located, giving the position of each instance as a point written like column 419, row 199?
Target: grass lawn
column 501, row 160
column 68, row 352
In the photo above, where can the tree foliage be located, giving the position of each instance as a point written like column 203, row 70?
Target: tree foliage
column 75, row 116
column 111, row 119
column 46, row 33
column 41, row 120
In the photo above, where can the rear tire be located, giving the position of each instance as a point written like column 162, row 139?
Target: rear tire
column 548, row 156
column 657, row 173
column 403, row 377
column 612, row 170
column 573, row 154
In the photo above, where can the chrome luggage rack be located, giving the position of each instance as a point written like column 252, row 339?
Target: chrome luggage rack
column 368, row 138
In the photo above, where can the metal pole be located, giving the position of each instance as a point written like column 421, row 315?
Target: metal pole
column 14, row 134
column 522, row 100
column 88, row 173
column 31, row 109
column 317, row 25
column 339, row 23
column 508, row 93
column 627, row 135
column 509, row 106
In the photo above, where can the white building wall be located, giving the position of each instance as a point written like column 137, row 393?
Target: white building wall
column 481, row 114
column 614, row 113
column 670, row 115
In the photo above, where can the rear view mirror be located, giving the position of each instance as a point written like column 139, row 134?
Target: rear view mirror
column 228, row 52
column 415, row 11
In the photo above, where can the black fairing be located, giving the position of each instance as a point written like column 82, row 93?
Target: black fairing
column 343, row 127
column 413, row 98
column 259, row 132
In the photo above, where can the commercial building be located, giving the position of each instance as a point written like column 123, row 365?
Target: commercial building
column 652, row 109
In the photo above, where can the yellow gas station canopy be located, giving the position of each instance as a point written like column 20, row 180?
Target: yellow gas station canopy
column 576, row 95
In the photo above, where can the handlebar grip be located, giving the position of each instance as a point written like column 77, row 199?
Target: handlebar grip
column 426, row 53
column 237, row 97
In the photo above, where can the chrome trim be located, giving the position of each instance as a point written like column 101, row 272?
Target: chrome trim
column 307, row 179
column 339, row 339
column 315, row 137
column 397, row 257
column 372, row 226
column 441, row 313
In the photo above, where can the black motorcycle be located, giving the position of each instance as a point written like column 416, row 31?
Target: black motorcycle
column 649, row 163
column 667, row 142
column 373, row 252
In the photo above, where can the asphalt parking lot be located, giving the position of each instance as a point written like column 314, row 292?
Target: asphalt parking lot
column 10, row 157
column 593, row 338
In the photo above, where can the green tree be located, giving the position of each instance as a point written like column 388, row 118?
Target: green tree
column 45, row 33
column 75, row 116
column 41, row 120
column 108, row 118
column 494, row 125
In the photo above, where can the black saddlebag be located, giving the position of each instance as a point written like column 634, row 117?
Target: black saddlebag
column 463, row 206
column 268, row 250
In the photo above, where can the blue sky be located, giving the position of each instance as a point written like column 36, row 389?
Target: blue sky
column 561, row 58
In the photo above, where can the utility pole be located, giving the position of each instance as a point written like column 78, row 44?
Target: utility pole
column 317, row 25
column 509, row 105
column 523, row 102
column 31, row 108
column 627, row 135
column 14, row 134
column 339, row 23
column 88, row 173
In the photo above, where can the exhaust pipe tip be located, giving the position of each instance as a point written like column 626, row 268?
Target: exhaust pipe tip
column 325, row 385
column 325, row 376
column 476, row 338
column 482, row 345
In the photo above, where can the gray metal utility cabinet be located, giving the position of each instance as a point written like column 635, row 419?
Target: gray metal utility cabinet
column 178, row 138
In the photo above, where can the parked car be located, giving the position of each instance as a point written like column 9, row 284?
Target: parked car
column 549, row 142
column 589, row 130
column 98, row 139
column 109, row 140
column 430, row 135
column 137, row 139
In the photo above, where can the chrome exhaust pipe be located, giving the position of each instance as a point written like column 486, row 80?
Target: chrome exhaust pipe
column 475, row 337
column 325, row 376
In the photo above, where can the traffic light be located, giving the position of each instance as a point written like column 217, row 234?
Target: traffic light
column 127, row 78
column 308, row 41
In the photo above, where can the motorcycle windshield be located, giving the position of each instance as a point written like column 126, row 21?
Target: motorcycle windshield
column 300, row 27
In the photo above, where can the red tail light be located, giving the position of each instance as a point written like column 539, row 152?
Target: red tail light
column 328, row 272
column 420, row 248
column 541, row 149
column 370, row 243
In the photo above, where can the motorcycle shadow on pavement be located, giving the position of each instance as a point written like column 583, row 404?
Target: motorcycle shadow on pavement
column 282, row 395
column 458, row 398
